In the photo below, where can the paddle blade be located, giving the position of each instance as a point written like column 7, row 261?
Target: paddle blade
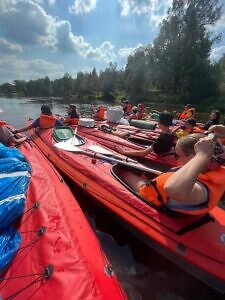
column 98, row 149
column 67, row 146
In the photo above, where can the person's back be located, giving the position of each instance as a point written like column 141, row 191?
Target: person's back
column 45, row 121
column 163, row 144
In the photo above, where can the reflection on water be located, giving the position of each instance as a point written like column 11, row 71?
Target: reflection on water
column 144, row 274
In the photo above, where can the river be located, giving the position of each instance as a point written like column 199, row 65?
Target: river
column 143, row 273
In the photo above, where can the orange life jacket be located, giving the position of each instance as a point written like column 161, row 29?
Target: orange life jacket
column 47, row 121
column 197, row 130
column 100, row 113
column 2, row 123
column 214, row 181
column 185, row 132
column 186, row 114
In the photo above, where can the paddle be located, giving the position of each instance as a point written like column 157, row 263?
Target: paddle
column 101, row 150
column 71, row 148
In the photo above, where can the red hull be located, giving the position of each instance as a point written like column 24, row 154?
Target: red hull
column 68, row 244
column 197, row 247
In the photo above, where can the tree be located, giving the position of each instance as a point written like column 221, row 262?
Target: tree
column 136, row 75
column 183, row 46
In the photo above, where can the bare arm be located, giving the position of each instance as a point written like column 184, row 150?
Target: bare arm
column 139, row 153
column 182, row 186
column 23, row 129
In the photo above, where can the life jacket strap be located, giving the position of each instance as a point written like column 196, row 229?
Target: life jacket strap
column 159, row 196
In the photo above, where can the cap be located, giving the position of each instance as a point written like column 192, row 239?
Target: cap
column 166, row 119
column 134, row 108
column 72, row 105
column 190, row 121
column 188, row 105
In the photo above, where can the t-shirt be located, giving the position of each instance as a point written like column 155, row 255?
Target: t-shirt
column 210, row 123
column 5, row 135
column 163, row 144
column 36, row 123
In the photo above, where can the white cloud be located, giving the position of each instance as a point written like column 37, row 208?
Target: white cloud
column 51, row 2
column 81, row 7
column 28, row 24
column 24, row 22
column 220, row 24
column 12, row 68
column 217, row 53
column 104, row 52
column 125, row 52
column 9, row 48
column 38, row 1
column 154, row 10
column 138, row 7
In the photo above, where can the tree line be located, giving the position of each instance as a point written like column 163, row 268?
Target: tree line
column 175, row 66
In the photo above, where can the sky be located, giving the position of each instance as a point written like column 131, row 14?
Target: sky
column 41, row 38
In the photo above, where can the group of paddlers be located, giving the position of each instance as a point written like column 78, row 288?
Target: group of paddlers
column 193, row 186
column 197, row 185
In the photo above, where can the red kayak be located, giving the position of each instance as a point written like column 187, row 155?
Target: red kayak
column 195, row 243
column 60, row 256
column 130, row 143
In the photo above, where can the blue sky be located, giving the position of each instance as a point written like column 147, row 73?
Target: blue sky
column 54, row 37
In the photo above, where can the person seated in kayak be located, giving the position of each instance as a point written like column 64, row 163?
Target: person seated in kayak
column 163, row 143
column 192, row 188
column 133, row 115
column 188, row 112
column 190, row 126
column 46, row 120
column 127, row 108
column 140, row 111
column 146, row 113
column 99, row 115
column 73, row 116
column 214, row 119
column 7, row 137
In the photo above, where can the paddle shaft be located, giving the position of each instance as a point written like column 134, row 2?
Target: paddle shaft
column 121, row 162
column 116, row 156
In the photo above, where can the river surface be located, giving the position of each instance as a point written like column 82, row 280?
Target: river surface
column 143, row 273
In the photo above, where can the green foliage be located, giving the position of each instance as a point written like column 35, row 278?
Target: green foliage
column 182, row 49
column 136, row 76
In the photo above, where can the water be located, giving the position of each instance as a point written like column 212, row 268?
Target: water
column 143, row 273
